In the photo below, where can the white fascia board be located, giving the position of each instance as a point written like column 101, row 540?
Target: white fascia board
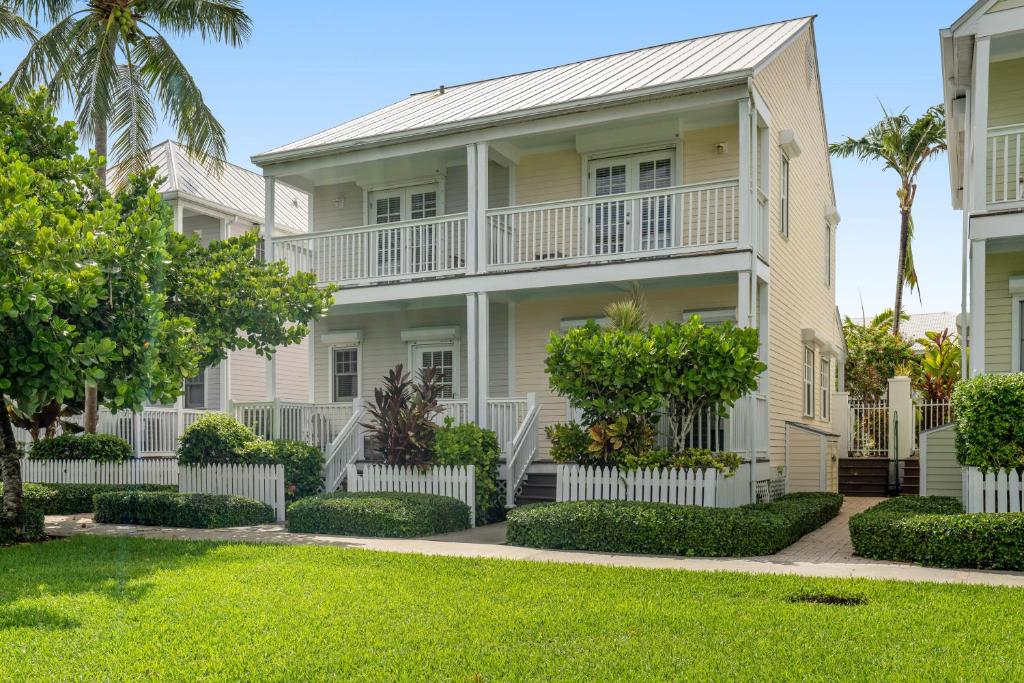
column 503, row 125
column 342, row 337
column 997, row 225
column 430, row 334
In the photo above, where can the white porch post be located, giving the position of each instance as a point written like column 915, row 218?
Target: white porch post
column 744, row 173
column 482, row 199
column 511, row 349
column 901, row 408
column 225, row 365
column 742, row 422
column 472, row 197
column 311, row 339
column 268, row 241
column 179, row 217
column 483, row 315
column 471, row 356
column 979, row 125
column 977, row 324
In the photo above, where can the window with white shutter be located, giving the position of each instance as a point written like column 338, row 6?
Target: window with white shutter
column 345, row 370
column 441, row 358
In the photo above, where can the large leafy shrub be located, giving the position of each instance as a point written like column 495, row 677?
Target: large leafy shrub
column 468, row 444
column 402, row 416
column 394, row 515
column 989, row 413
column 98, row 447
column 187, row 510
column 303, row 464
column 569, row 443
column 873, row 356
column 213, row 439
column 664, row 529
column 726, row 462
column 934, row 531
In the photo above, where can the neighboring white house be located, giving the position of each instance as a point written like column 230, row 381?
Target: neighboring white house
column 983, row 81
column 466, row 223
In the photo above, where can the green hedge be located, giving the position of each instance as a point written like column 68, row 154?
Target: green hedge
column 663, row 529
column 468, row 444
column 214, row 439
column 303, row 464
column 72, row 499
column 188, row 510
column 934, row 531
column 393, row 515
column 35, row 499
column 989, row 413
column 98, row 447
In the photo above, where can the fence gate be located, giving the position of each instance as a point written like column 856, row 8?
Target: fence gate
column 869, row 429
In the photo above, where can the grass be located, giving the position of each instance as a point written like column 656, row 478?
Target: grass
column 93, row 608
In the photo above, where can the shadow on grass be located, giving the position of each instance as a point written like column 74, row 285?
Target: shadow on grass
column 34, row 618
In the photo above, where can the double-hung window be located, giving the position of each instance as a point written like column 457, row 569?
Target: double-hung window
column 345, row 373
column 784, row 196
column 824, row 384
column 195, row 392
column 440, row 358
column 808, row 381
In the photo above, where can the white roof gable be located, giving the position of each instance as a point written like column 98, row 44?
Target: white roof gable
column 694, row 59
column 235, row 190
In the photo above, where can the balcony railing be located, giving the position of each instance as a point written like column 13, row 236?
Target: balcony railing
column 390, row 251
column 686, row 218
column 1005, row 172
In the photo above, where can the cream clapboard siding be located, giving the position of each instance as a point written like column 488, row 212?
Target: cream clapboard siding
column 292, row 364
column 382, row 346
column 942, row 471
column 804, row 461
column 798, row 296
column 1006, row 92
column 999, row 268
column 327, row 215
column 1003, row 5
column 248, row 376
column 537, row 318
column 701, row 161
column 207, row 228
column 548, row 176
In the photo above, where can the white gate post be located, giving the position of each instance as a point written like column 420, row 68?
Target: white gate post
column 137, row 433
column 840, row 412
column 901, row 412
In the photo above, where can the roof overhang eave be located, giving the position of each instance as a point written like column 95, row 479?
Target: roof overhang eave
column 685, row 87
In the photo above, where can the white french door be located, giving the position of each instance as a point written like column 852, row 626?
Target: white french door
column 639, row 224
column 401, row 251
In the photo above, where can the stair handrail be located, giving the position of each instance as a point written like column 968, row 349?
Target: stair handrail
column 345, row 449
column 521, row 450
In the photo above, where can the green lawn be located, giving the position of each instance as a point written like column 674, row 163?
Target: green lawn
column 95, row 608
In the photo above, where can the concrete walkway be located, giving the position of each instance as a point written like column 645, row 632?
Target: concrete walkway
column 826, row 552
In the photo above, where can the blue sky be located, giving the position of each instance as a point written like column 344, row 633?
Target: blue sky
column 313, row 64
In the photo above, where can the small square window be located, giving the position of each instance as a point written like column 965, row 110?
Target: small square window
column 345, row 371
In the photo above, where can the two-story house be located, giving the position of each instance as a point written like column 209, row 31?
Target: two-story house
column 983, row 84
column 466, row 223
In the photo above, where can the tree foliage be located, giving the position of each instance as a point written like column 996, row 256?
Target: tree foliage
column 938, row 370
column 873, row 355
column 403, row 415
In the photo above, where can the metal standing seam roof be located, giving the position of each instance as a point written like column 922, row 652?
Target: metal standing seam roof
column 672, row 63
column 236, row 189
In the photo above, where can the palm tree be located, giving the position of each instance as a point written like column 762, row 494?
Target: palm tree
column 903, row 144
column 13, row 25
column 111, row 60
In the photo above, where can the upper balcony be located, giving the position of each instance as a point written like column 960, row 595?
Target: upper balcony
column 629, row 188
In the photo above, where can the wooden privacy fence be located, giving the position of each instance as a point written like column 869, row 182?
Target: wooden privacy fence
column 455, row 482
column 707, row 488
column 992, row 491
column 141, row 471
column 264, row 483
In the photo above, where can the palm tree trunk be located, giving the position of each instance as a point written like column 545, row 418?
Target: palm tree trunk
column 90, row 411
column 10, row 464
column 901, row 265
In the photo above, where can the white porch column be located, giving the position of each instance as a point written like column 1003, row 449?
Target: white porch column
column 744, row 303
column 511, row 349
column 268, row 241
column 979, row 125
column 472, row 197
column 977, row 320
column 744, row 174
column 483, row 336
column 471, row 356
column 901, row 409
column 225, row 365
column 482, row 199
column 179, row 217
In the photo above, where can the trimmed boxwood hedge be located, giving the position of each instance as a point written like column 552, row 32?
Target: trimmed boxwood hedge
column 35, row 498
column 392, row 515
column 187, row 510
column 98, row 447
column 934, row 531
column 664, row 529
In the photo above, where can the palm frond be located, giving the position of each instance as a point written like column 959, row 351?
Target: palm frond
column 50, row 56
column 95, row 91
column 13, row 25
column 39, row 11
column 134, row 120
column 222, row 21
column 182, row 102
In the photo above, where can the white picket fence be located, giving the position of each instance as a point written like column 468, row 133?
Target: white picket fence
column 706, row 488
column 454, row 482
column 264, row 483
column 1000, row 491
column 141, row 471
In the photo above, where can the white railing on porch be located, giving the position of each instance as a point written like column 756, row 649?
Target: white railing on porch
column 457, row 409
column 346, row 448
column 707, row 488
column 521, row 449
column 408, row 249
column 1000, row 491
column 1005, row 164
column 458, row 482
column 313, row 423
column 688, row 217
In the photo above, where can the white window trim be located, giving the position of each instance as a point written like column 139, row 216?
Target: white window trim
column 435, row 184
column 674, row 148
column 414, row 367
column 359, row 370
column 808, row 382
column 829, row 231
column 184, row 390
column 1017, row 324
column 785, row 184
column 824, row 390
